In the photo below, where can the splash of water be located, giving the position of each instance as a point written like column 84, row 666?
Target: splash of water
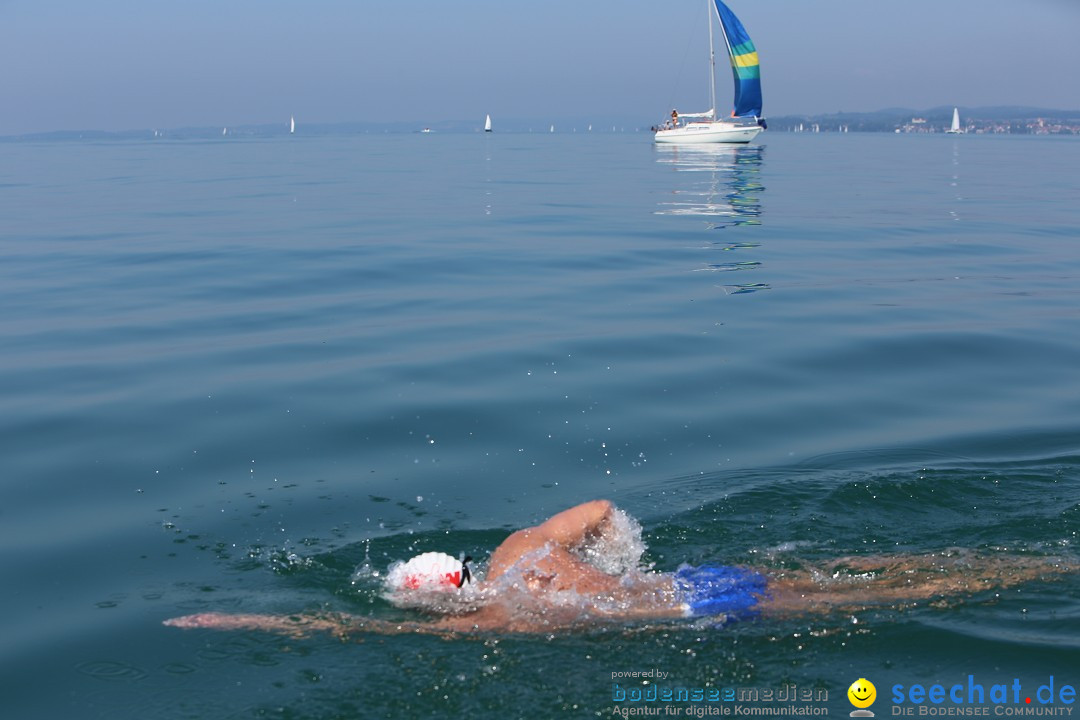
column 619, row 549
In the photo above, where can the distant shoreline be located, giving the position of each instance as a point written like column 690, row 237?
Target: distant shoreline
column 987, row 120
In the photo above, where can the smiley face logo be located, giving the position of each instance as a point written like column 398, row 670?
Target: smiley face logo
column 862, row 694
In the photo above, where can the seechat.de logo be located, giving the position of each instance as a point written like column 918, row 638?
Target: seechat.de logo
column 862, row 695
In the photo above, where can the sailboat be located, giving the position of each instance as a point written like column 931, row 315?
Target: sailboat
column 292, row 125
column 487, row 124
column 955, row 128
column 745, row 122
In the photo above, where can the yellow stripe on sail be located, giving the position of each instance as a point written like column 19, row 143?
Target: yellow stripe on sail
column 745, row 60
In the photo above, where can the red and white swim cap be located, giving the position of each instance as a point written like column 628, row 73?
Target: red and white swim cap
column 430, row 571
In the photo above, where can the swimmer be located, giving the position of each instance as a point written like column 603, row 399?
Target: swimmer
column 582, row 567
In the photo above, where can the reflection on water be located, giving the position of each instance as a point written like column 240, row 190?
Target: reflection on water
column 723, row 185
column 745, row 288
column 953, row 214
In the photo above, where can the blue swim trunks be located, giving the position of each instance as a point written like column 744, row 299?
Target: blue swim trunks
column 720, row 590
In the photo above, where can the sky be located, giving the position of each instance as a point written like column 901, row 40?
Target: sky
column 118, row 65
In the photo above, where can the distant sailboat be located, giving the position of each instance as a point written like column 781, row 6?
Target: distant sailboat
column 224, row 131
column 745, row 122
column 487, row 124
column 552, row 129
column 955, row 128
column 292, row 125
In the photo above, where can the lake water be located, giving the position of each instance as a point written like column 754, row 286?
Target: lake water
column 233, row 371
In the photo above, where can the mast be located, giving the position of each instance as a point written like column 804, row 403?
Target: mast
column 727, row 42
column 712, row 57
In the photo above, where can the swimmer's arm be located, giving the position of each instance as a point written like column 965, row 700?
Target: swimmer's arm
column 570, row 527
column 303, row 625
column 566, row 530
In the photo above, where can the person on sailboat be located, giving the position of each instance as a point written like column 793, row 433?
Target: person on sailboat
column 583, row 566
column 674, row 118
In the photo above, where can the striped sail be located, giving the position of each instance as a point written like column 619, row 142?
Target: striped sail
column 744, row 64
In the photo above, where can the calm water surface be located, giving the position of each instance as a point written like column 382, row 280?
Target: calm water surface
column 235, row 371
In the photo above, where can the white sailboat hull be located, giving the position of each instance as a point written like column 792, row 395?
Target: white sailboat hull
column 713, row 131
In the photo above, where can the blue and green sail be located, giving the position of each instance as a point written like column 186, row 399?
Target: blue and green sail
column 744, row 64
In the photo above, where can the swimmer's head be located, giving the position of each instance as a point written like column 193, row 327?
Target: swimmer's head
column 433, row 582
column 430, row 571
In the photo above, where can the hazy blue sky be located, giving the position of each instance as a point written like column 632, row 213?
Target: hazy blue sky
column 127, row 64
